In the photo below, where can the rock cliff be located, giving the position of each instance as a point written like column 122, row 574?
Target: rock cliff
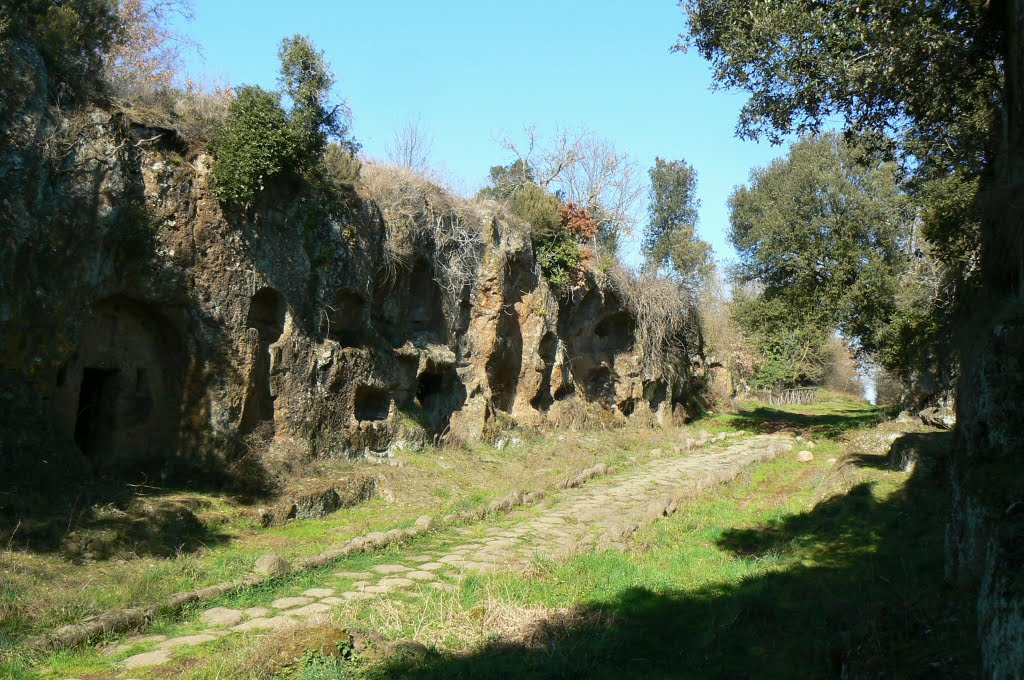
column 146, row 329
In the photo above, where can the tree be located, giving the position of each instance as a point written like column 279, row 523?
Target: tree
column 306, row 80
column 254, row 146
column 73, row 37
column 792, row 346
column 151, row 50
column 924, row 80
column 842, row 373
column 411, row 147
column 670, row 239
column 824, row 229
column 725, row 342
column 260, row 140
column 506, row 180
column 586, row 170
column 928, row 73
column 946, row 79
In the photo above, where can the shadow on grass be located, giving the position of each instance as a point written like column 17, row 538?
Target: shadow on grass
column 833, row 424
column 866, row 601
column 79, row 508
column 98, row 515
column 158, row 525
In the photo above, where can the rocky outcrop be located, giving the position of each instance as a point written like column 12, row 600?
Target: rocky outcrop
column 985, row 539
column 943, row 418
column 320, row 497
column 145, row 328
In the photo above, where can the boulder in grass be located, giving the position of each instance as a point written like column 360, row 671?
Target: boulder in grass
column 272, row 565
column 313, row 499
column 804, row 456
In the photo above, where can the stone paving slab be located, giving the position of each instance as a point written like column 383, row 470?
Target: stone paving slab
column 396, row 582
column 390, row 568
column 309, row 610
column 187, row 640
column 350, row 595
column 272, row 623
column 222, row 616
column 153, row 658
column 421, row 575
column 288, row 602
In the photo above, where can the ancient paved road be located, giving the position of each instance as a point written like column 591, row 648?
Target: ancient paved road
column 602, row 514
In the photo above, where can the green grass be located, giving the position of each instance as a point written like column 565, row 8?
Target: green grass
column 793, row 570
column 40, row 590
column 752, row 580
column 831, row 417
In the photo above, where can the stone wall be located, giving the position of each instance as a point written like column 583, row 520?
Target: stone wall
column 144, row 328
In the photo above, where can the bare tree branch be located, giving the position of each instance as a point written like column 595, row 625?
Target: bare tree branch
column 584, row 169
column 411, row 147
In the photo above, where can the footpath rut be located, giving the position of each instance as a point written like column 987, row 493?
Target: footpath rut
column 601, row 515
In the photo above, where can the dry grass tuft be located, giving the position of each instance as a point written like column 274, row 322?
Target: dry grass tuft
column 196, row 112
column 542, row 627
column 421, row 216
column 667, row 322
column 577, row 415
column 440, row 619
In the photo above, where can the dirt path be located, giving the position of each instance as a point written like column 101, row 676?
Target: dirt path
column 602, row 514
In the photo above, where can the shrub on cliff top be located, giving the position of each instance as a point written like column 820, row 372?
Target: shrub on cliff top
column 254, row 145
column 539, row 209
column 73, row 38
column 560, row 259
column 261, row 140
column 556, row 230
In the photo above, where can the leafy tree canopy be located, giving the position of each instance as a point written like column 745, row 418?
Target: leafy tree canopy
column 73, row 36
column 671, row 237
column 254, row 145
column 261, row 140
column 506, row 180
column 823, row 229
column 929, row 72
column 926, row 78
column 306, row 79
column 791, row 350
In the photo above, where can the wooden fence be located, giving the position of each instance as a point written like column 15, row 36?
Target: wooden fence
column 797, row 395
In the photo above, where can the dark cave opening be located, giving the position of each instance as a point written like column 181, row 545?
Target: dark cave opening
column 344, row 322
column 96, row 420
column 600, row 386
column 425, row 311
column 266, row 314
column 614, row 333
column 656, row 394
column 118, row 395
column 440, row 393
column 372, row 403
column 547, row 350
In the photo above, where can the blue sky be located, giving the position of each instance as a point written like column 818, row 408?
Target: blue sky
column 474, row 72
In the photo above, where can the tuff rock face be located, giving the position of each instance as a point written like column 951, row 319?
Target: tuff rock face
column 145, row 328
